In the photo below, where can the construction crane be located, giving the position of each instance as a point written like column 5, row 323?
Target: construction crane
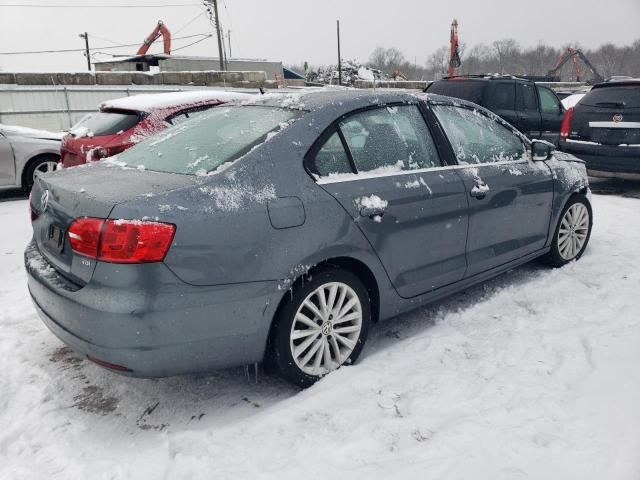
column 454, row 54
column 160, row 30
column 573, row 55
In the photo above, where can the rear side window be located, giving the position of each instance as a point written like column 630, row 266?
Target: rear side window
column 105, row 123
column 625, row 96
column 526, row 97
column 549, row 103
column 390, row 138
column 204, row 143
column 470, row 90
column 332, row 158
column 476, row 138
column 502, row 96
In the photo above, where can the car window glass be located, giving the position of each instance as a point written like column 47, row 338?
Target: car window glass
column 204, row 143
column 627, row 96
column 476, row 138
column 104, row 123
column 390, row 138
column 526, row 98
column 502, row 96
column 548, row 101
column 332, row 158
column 178, row 118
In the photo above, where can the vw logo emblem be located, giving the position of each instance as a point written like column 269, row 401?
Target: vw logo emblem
column 617, row 117
column 44, row 200
column 327, row 328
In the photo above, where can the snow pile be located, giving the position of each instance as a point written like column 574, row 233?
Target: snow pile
column 149, row 101
column 529, row 376
column 351, row 71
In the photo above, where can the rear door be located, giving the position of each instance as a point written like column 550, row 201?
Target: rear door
column 383, row 166
column 7, row 163
column 608, row 115
column 551, row 113
column 510, row 197
column 527, row 109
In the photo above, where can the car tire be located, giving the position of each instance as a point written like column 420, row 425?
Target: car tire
column 310, row 339
column 42, row 163
column 571, row 236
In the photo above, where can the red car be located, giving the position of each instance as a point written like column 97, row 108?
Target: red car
column 121, row 123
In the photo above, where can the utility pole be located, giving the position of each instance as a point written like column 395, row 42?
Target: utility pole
column 339, row 60
column 85, row 35
column 229, row 41
column 214, row 3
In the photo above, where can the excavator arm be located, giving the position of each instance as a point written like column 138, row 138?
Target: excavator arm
column 571, row 54
column 161, row 29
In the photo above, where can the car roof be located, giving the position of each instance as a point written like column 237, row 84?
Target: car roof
column 486, row 77
column 632, row 82
column 346, row 99
column 148, row 102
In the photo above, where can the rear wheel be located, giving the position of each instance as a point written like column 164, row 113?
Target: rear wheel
column 572, row 233
column 323, row 326
column 41, row 164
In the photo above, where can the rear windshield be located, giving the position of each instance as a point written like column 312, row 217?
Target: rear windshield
column 615, row 97
column 465, row 89
column 104, row 123
column 212, row 138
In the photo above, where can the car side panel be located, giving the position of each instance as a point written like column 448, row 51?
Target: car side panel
column 7, row 163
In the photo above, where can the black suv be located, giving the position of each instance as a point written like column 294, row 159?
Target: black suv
column 603, row 129
column 533, row 109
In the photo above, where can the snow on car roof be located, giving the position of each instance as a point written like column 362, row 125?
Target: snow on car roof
column 152, row 101
column 30, row 132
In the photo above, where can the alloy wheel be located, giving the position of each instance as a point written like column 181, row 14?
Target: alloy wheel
column 573, row 231
column 45, row 167
column 326, row 328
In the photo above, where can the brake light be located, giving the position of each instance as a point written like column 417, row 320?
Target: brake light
column 105, row 152
column 566, row 123
column 121, row 241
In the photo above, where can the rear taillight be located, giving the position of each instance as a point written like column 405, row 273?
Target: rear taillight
column 121, row 241
column 566, row 123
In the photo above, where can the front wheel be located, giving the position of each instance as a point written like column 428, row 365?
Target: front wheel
column 572, row 233
column 41, row 164
column 323, row 326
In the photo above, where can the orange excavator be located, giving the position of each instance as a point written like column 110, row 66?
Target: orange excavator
column 161, row 29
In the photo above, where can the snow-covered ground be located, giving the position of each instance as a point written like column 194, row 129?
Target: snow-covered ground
column 531, row 376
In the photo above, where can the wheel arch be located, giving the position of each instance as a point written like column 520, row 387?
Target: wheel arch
column 33, row 160
column 350, row 264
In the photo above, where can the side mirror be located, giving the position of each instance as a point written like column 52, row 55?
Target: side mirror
column 541, row 150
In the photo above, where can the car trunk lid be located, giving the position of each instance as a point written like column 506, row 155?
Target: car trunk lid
column 59, row 198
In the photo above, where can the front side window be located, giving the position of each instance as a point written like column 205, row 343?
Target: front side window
column 210, row 139
column 526, row 98
column 548, row 101
column 392, row 138
column 476, row 138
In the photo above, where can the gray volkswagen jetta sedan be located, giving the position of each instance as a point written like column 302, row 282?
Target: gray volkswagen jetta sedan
column 280, row 229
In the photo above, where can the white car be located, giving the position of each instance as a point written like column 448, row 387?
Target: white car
column 25, row 152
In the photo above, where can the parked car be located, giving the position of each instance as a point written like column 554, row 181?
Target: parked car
column 119, row 124
column 603, row 129
column 533, row 109
column 319, row 213
column 24, row 152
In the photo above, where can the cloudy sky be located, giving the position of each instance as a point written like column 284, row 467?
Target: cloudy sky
column 297, row 30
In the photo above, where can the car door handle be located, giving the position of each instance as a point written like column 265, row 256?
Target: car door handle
column 480, row 190
column 372, row 211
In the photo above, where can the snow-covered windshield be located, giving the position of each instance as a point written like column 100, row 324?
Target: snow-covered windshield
column 203, row 144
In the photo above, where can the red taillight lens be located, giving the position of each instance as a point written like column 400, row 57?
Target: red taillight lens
column 121, row 241
column 84, row 236
column 105, row 152
column 566, row 123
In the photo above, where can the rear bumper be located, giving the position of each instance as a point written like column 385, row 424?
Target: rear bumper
column 609, row 159
column 155, row 330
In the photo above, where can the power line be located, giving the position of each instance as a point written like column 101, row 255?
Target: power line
column 190, row 22
column 69, row 50
column 59, row 5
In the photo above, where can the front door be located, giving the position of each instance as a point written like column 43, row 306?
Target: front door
column 527, row 109
column 510, row 197
column 383, row 166
column 551, row 114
